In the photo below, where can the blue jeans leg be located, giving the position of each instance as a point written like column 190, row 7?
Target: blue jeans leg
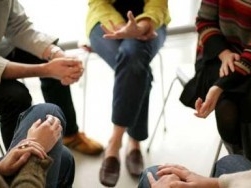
column 143, row 180
column 67, row 169
column 26, row 119
column 231, row 164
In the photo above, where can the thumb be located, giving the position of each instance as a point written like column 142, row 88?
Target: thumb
column 237, row 57
column 150, row 178
column 37, row 123
column 72, row 62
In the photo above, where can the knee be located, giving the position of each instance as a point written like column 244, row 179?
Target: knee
column 136, row 62
column 52, row 109
column 143, row 180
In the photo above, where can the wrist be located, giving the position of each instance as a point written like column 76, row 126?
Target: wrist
column 214, row 183
column 51, row 52
column 54, row 50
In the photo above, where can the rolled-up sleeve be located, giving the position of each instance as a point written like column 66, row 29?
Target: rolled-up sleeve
column 21, row 34
column 236, row 180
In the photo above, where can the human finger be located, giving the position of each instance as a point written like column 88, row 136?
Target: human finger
column 131, row 17
column 36, row 123
column 221, row 71
column 169, row 169
column 68, row 80
column 12, row 161
column 231, row 66
column 198, row 104
column 150, row 178
column 76, row 76
column 32, row 147
column 180, row 184
column 105, row 29
column 50, row 119
column 56, row 123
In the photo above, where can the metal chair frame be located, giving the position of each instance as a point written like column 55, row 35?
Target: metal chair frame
column 183, row 79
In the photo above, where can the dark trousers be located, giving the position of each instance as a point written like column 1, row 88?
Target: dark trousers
column 15, row 98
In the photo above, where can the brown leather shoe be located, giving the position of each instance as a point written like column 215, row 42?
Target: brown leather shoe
column 109, row 171
column 134, row 163
column 81, row 143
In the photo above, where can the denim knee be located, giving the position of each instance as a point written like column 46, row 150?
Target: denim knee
column 143, row 180
column 231, row 164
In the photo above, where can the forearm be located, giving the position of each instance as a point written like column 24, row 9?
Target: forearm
column 213, row 183
column 17, row 70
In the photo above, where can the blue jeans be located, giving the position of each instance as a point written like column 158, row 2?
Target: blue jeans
column 130, row 59
column 61, row 173
column 231, row 164
column 226, row 165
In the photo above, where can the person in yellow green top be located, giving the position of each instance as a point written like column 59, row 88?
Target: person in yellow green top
column 127, row 34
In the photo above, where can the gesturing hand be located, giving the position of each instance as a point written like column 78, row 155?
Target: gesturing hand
column 203, row 109
column 143, row 30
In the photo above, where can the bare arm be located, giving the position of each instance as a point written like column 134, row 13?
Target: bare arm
column 58, row 68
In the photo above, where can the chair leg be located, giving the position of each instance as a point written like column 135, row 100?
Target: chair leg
column 216, row 157
column 162, row 88
column 84, row 87
column 160, row 115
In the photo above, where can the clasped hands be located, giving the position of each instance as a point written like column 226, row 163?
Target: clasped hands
column 141, row 30
column 41, row 137
column 176, row 176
